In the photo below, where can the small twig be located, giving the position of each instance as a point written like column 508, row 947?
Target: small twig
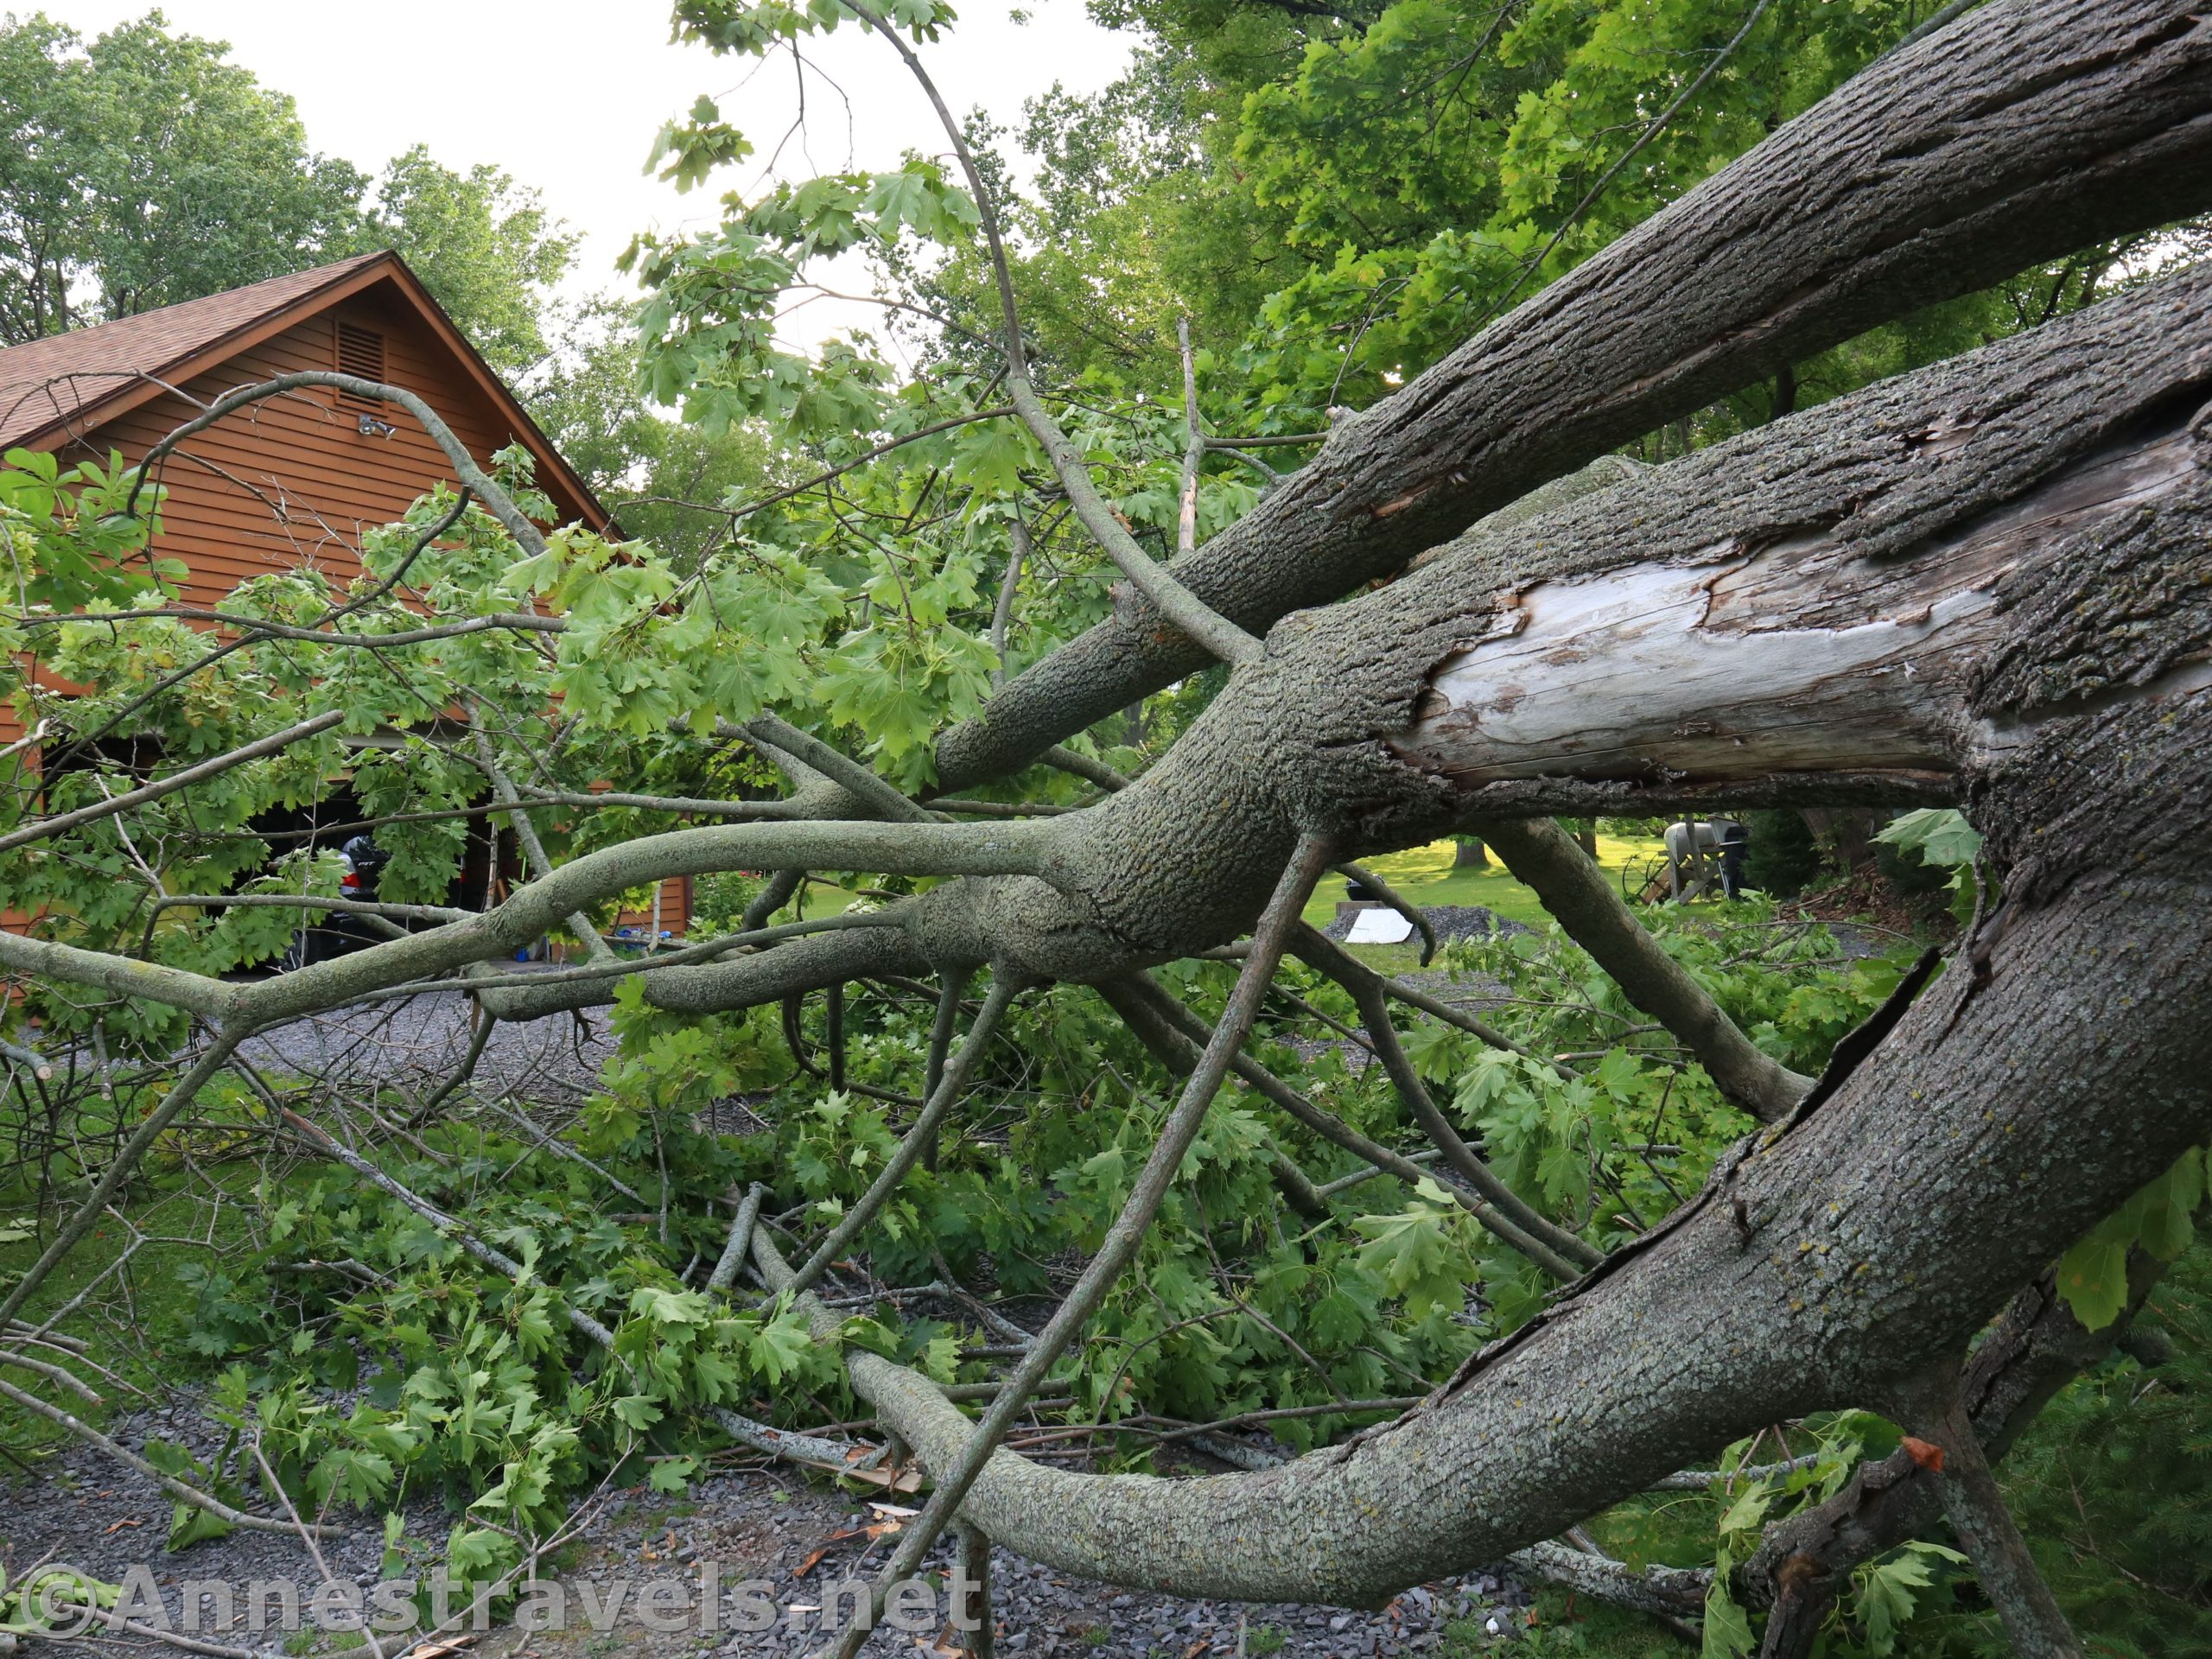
column 1003, row 990
column 314, row 1550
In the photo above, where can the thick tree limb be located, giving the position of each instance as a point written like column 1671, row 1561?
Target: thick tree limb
column 1393, row 718
column 1538, row 852
column 1798, row 1283
column 2028, row 129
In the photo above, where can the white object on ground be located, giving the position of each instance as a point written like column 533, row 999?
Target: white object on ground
column 1379, row 926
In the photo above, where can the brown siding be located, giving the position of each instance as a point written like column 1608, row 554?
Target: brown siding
column 292, row 484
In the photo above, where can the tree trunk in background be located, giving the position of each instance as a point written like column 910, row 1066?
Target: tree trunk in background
column 1845, row 833
column 1469, row 853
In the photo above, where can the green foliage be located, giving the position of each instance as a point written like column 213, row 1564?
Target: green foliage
column 142, row 169
column 1785, row 857
column 77, row 536
column 2160, row 1221
column 1941, row 836
column 667, row 482
column 1891, row 1589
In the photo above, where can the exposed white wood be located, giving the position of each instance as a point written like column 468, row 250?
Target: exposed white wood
column 1667, row 670
column 1380, row 925
column 1669, row 695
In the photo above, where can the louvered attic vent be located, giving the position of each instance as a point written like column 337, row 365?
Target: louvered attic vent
column 360, row 353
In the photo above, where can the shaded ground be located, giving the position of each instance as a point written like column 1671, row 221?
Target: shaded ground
column 415, row 1043
column 796, row 1542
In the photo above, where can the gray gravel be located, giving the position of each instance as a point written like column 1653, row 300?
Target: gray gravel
column 775, row 1525
column 415, row 1043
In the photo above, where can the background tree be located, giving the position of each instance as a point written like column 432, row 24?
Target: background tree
column 141, row 169
column 483, row 244
column 666, row 481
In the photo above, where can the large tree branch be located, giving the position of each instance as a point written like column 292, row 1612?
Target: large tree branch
column 2024, row 132
column 1576, row 892
column 1799, row 1281
column 1832, row 608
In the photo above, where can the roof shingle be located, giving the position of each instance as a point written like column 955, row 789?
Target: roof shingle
column 46, row 383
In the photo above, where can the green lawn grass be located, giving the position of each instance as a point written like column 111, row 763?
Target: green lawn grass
column 150, row 1296
column 1424, row 875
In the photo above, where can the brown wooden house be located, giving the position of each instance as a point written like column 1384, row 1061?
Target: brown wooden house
column 292, row 482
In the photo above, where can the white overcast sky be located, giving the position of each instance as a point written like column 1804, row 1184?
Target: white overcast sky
column 566, row 95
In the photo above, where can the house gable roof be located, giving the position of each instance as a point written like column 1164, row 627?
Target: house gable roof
column 62, row 386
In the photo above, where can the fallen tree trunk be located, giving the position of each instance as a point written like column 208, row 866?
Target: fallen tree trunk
column 1882, row 599
column 1883, row 1230
column 1992, row 584
column 2026, row 130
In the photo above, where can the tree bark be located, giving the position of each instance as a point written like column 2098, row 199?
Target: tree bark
column 2030, row 129
column 2034, row 1349
column 1985, row 1526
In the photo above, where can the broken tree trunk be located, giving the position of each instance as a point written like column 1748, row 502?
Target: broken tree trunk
column 2025, row 131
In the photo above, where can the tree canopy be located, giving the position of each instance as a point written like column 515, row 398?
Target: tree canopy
column 142, row 167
